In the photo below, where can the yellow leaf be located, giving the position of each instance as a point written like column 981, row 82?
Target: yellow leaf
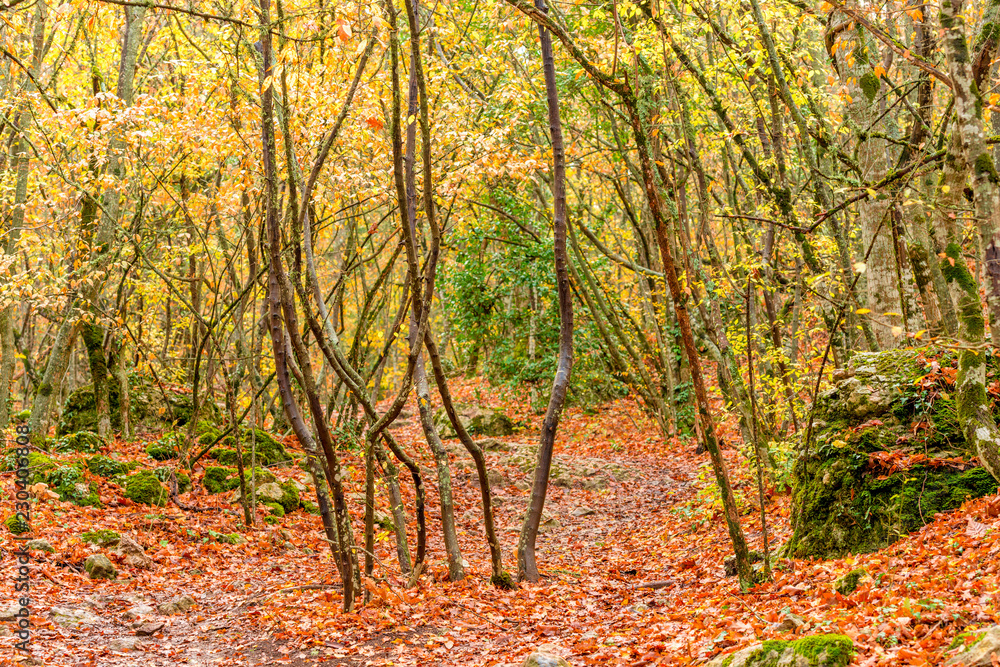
column 863, row 311
column 826, row 7
column 920, row 334
column 945, row 189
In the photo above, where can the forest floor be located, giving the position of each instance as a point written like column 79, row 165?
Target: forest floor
column 629, row 510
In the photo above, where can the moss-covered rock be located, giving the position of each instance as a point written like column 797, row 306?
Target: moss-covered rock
column 107, row 467
column 310, row 507
column 849, row 583
column 275, row 509
column 70, row 482
column 38, row 465
column 218, row 480
column 81, row 441
column 477, row 421
column 289, row 497
column 16, row 524
column 152, row 408
column 144, row 487
column 166, row 448
column 99, row 566
column 812, row 651
column 103, row 538
column 887, row 456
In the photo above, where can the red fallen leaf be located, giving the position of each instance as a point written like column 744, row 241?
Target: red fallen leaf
column 687, row 563
column 374, row 123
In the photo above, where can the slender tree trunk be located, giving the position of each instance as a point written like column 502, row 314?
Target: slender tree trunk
column 527, row 569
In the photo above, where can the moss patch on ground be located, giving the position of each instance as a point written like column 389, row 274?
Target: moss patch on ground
column 70, row 482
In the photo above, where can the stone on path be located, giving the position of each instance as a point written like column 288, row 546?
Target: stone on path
column 38, row 545
column 98, row 566
column 544, row 660
column 71, row 618
column 176, row 605
column 134, row 554
column 149, row 629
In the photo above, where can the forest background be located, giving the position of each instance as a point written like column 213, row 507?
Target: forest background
column 295, row 216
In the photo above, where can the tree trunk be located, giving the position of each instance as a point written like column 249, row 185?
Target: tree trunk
column 527, row 569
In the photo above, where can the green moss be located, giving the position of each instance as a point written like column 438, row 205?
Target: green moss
column 104, row 466
column 503, row 581
column 276, row 509
column 207, row 432
column 81, row 441
column 226, row 538
column 289, row 497
column 870, row 85
column 984, row 166
column 227, row 457
column 69, row 481
column 310, row 508
column 954, row 269
column 826, row 650
column 17, row 525
column 38, row 465
column 269, row 450
column 848, row 583
column 102, row 538
column 218, row 480
column 144, row 487
column 166, row 448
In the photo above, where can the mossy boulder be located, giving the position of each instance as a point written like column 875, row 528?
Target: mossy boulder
column 477, row 421
column 107, row 467
column 103, row 538
column 82, row 441
column 17, row 525
column 38, row 465
column 218, row 479
column 812, row 651
column 166, row 448
column 275, row 508
column 888, row 454
column 289, row 497
column 269, row 451
column 70, row 482
column 849, row 583
column 144, row 487
column 152, row 408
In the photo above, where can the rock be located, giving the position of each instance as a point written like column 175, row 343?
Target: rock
column 107, row 467
column 102, row 538
column 8, row 613
column 137, row 611
column 144, row 487
column 979, row 654
column 148, row 629
column 493, row 445
column 544, row 660
column 849, row 583
column 812, row 651
column 123, row 645
column 470, row 516
column 39, row 545
column 582, row 511
column 477, row 421
column 269, row 492
column 790, row 623
column 98, row 566
column 16, row 524
column 81, row 441
column 5, row 631
column 495, row 477
column 176, row 605
column 860, row 485
column 134, row 554
column 69, row 617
